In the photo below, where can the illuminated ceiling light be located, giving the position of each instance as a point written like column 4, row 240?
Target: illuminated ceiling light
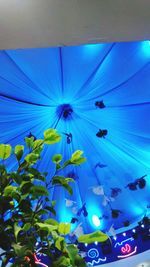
column 96, row 243
column 133, row 230
column 146, row 48
column 96, row 220
column 142, row 225
column 115, row 238
column 86, row 244
column 124, row 234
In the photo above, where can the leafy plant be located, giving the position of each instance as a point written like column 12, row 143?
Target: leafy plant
column 24, row 204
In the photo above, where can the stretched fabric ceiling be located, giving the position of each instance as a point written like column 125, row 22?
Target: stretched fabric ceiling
column 34, row 83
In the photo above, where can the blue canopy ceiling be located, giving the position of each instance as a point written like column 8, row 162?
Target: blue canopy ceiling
column 106, row 88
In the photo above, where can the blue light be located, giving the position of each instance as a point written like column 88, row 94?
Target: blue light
column 93, row 253
column 96, row 220
column 146, row 48
column 93, row 48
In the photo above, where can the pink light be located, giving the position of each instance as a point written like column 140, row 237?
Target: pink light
column 37, row 261
column 126, row 249
column 125, row 256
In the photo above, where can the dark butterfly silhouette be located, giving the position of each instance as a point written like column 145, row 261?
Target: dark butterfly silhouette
column 74, row 220
column 100, row 104
column 102, row 133
column 115, row 191
column 100, row 165
column 69, row 137
column 83, row 211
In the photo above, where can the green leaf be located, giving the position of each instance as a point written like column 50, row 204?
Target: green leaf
column 36, row 174
column 76, row 157
column 41, row 212
column 68, row 188
column 47, row 227
column 15, row 195
column 67, row 162
column 25, row 187
column 72, row 252
column 51, row 222
column 37, row 146
column 32, row 158
column 63, row 262
column 79, row 261
column 64, row 228
column 5, row 151
column 91, row 238
column 57, row 158
column 20, row 251
column 60, row 180
column 23, row 166
column 53, row 203
column 17, row 229
column 39, row 190
column 58, row 166
column 51, row 136
column 19, row 152
column 59, row 242
column 26, row 227
column 51, row 209
column 29, row 141
column 16, row 177
column 9, row 190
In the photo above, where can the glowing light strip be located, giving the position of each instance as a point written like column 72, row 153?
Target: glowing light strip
column 120, row 244
column 93, row 253
column 37, row 261
column 125, row 256
column 94, row 261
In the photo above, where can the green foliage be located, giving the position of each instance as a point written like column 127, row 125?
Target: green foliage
column 24, row 203
column 51, row 136
column 5, row 151
column 64, row 182
column 19, row 152
column 90, row 238
column 29, row 141
column 57, row 158
column 64, row 228
column 76, row 158
column 32, row 158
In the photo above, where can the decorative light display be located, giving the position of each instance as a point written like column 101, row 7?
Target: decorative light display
column 126, row 249
column 127, row 255
column 37, row 261
column 93, row 253
column 124, row 241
